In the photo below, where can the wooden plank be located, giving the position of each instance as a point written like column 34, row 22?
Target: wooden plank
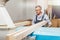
column 24, row 32
column 23, row 23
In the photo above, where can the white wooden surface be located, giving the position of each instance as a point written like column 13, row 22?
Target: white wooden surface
column 24, row 32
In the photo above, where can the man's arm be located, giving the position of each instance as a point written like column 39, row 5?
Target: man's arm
column 33, row 19
column 46, row 18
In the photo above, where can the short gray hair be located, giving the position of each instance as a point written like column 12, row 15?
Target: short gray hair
column 38, row 6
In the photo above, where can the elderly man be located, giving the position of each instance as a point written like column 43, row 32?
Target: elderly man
column 40, row 16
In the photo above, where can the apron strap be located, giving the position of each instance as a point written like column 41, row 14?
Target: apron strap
column 36, row 21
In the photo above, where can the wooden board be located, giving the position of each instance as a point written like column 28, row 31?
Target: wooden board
column 24, row 32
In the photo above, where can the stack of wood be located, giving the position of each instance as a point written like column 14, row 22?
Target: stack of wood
column 55, row 22
column 23, row 22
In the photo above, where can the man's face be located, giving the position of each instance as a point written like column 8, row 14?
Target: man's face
column 38, row 10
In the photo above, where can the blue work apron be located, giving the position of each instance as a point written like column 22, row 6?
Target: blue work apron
column 37, row 21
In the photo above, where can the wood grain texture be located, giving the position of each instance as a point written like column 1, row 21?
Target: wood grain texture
column 24, row 32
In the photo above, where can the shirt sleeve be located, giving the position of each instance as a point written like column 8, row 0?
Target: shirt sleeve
column 33, row 19
column 46, row 18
